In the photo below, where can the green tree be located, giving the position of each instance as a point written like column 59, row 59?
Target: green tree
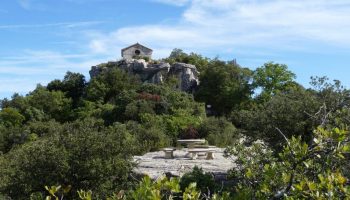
column 108, row 85
column 73, row 85
column 272, row 78
column 288, row 111
column 54, row 104
column 17, row 101
column 334, row 101
column 11, row 117
column 224, row 87
column 177, row 55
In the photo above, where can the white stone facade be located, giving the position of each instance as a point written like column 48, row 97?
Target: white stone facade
column 136, row 50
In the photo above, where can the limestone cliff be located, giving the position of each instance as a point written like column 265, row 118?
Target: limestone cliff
column 187, row 75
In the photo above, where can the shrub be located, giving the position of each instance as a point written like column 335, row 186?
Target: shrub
column 84, row 154
column 149, row 136
column 205, row 181
column 190, row 133
column 218, row 131
column 300, row 171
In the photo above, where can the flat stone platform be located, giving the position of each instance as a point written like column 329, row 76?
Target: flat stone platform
column 154, row 164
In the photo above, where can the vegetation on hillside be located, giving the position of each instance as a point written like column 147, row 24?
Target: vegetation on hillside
column 77, row 137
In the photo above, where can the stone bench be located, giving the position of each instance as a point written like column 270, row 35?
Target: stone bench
column 169, row 152
column 202, row 146
column 194, row 153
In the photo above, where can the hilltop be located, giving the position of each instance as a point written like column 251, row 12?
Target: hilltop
column 186, row 75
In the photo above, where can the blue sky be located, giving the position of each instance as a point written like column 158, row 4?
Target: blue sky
column 42, row 39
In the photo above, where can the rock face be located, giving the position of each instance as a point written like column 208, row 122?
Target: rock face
column 155, row 165
column 187, row 75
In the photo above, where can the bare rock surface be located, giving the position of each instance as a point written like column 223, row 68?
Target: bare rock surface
column 187, row 75
column 155, row 165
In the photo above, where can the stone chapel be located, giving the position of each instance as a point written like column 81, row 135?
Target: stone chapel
column 136, row 50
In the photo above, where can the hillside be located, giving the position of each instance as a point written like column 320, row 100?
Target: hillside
column 82, row 134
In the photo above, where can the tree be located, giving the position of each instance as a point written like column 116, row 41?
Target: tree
column 73, row 85
column 224, row 87
column 53, row 103
column 11, row 117
column 108, row 85
column 334, row 102
column 55, row 85
column 17, row 101
column 177, row 55
column 272, row 78
column 287, row 110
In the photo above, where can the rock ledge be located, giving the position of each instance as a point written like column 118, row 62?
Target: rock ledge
column 155, row 165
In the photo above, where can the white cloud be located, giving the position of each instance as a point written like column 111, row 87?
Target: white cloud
column 40, row 67
column 47, row 62
column 19, row 85
column 228, row 27
column 22, row 73
column 222, row 24
column 324, row 21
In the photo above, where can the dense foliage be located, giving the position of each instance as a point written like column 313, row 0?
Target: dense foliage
column 288, row 142
column 300, row 171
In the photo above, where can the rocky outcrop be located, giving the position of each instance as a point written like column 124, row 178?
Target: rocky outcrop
column 187, row 75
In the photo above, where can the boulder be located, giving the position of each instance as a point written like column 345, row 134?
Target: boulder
column 138, row 65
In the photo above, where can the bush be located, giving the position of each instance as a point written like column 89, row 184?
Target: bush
column 85, row 155
column 27, row 169
column 218, row 131
column 149, row 136
column 190, row 133
column 205, row 181
column 146, row 58
column 300, row 170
